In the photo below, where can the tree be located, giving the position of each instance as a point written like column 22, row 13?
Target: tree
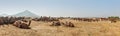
column 114, row 17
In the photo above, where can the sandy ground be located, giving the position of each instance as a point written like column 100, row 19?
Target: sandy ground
column 39, row 28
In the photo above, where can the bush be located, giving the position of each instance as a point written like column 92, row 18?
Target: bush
column 113, row 17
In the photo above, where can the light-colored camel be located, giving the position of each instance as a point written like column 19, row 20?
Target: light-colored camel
column 22, row 24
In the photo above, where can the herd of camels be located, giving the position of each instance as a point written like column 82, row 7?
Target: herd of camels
column 24, row 22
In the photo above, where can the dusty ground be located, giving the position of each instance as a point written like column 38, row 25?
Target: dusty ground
column 102, row 28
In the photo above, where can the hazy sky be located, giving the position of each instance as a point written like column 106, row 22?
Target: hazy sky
column 81, row 8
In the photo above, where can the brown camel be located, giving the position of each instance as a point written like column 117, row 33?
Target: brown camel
column 56, row 24
column 22, row 24
column 69, row 24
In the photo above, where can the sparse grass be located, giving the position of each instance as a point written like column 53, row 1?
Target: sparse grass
column 102, row 28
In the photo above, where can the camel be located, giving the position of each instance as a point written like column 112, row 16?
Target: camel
column 56, row 24
column 69, row 24
column 22, row 24
column 17, row 23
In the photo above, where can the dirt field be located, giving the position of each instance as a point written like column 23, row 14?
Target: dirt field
column 39, row 28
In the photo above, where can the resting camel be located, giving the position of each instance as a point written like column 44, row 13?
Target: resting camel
column 22, row 24
column 56, row 24
column 69, row 24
